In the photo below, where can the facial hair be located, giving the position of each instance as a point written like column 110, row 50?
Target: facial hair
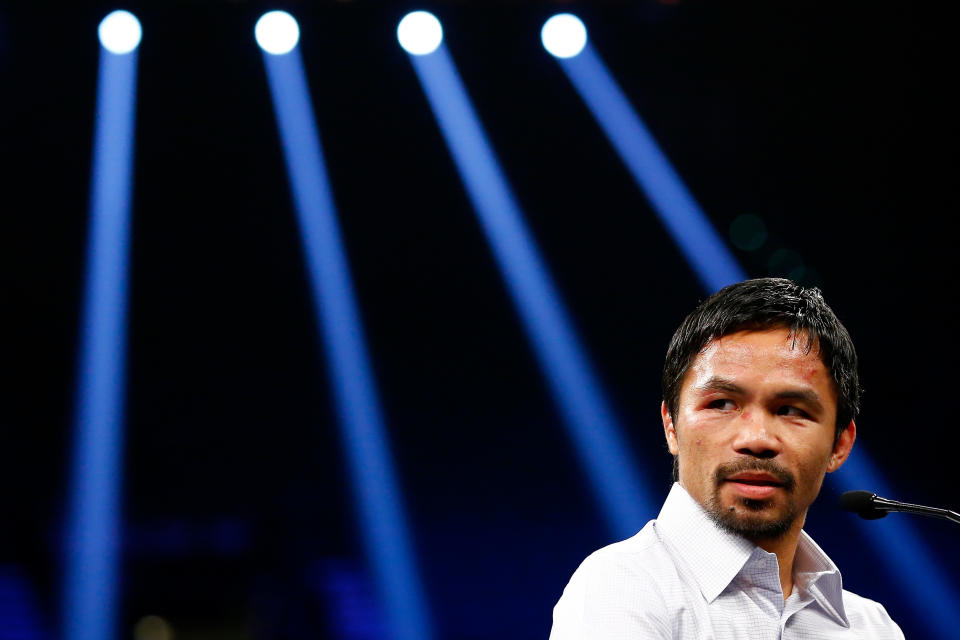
column 756, row 524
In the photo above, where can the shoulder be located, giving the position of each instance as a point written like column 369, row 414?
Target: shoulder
column 620, row 585
column 641, row 556
column 869, row 615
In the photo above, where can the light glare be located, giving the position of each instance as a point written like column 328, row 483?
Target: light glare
column 420, row 33
column 120, row 32
column 564, row 35
column 277, row 32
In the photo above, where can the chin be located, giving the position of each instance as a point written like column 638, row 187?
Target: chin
column 752, row 519
column 754, row 526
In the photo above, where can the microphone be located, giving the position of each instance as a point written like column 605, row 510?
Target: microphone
column 870, row 506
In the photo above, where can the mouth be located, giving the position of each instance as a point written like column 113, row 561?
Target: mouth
column 756, row 485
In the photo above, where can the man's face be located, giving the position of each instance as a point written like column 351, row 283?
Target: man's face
column 754, row 431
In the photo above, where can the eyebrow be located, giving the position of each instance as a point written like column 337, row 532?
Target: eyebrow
column 804, row 395
column 717, row 383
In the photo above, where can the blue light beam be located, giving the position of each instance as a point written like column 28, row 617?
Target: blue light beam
column 93, row 538
column 897, row 542
column 576, row 390
column 364, row 434
column 688, row 225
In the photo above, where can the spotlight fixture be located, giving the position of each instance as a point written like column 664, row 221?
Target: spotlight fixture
column 419, row 33
column 564, row 35
column 120, row 32
column 277, row 32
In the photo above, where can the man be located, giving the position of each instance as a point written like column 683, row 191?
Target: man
column 760, row 392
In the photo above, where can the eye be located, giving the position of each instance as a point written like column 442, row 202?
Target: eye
column 723, row 404
column 793, row 412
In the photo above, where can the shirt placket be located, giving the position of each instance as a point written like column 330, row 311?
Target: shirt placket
column 760, row 581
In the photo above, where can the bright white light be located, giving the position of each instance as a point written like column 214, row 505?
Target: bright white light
column 420, row 33
column 564, row 35
column 120, row 32
column 277, row 32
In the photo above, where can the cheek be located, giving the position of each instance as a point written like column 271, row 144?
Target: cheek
column 695, row 454
column 694, row 441
column 813, row 465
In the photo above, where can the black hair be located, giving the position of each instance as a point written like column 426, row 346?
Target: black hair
column 758, row 305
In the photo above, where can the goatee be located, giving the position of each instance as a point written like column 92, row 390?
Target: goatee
column 757, row 523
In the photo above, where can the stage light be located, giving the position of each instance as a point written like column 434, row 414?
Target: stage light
column 420, row 33
column 120, row 32
column 377, row 493
column 576, row 389
column 564, row 35
column 93, row 524
column 681, row 215
column 277, row 32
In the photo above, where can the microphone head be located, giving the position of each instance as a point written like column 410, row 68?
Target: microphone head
column 862, row 503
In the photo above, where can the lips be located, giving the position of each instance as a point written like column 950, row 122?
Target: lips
column 756, row 485
column 756, row 478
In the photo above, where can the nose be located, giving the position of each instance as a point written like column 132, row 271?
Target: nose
column 756, row 436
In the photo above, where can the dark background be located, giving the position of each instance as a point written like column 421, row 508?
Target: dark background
column 832, row 124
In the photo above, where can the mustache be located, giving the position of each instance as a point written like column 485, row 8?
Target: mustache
column 783, row 476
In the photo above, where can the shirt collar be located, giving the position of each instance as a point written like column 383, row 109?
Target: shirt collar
column 715, row 556
column 815, row 573
column 712, row 555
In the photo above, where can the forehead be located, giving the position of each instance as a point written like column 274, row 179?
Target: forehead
column 766, row 357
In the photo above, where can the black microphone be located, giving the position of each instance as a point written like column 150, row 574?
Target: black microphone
column 870, row 506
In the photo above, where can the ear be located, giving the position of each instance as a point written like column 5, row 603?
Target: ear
column 669, row 431
column 841, row 450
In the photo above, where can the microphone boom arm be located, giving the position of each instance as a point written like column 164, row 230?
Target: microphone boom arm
column 919, row 509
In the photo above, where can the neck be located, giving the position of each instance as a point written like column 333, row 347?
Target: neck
column 785, row 547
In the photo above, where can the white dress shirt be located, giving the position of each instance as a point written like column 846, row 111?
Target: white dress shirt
column 684, row 577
